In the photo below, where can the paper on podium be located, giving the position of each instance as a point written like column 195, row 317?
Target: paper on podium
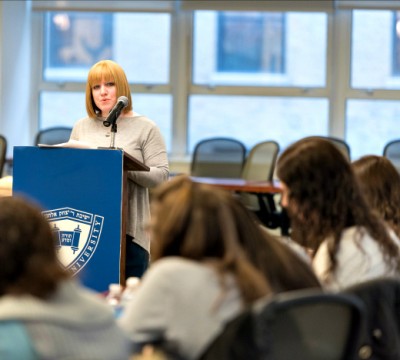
column 71, row 144
column 130, row 163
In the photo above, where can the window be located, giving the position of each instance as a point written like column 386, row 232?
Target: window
column 253, row 75
column 259, row 49
column 375, row 120
column 396, row 43
column 240, row 57
column 139, row 42
column 251, row 42
column 375, row 50
column 75, row 41
column 252, row 119
column 372, row 105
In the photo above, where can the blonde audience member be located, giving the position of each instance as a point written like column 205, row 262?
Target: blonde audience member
column 44, row 314
column 380, row 184
column 330, row 216
column 211, row 260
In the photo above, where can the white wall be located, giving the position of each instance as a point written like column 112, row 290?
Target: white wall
column 15, row 73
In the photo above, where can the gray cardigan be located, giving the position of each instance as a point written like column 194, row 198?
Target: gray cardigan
column 141, row 138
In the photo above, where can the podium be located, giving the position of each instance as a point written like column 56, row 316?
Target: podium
column 84, row 196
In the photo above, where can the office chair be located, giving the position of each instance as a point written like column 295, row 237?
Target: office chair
column 260, row 163
column 260, row 166
column 53, row 135
column 308, row 325
column 302, row 325
column 380, row 336
column 392, row 152
column 341, row 144
column 218, row 157
column 3, row 152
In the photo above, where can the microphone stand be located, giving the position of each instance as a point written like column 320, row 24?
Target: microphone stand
column 114, row 130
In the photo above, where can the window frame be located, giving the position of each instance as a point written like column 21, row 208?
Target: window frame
column 337, row 89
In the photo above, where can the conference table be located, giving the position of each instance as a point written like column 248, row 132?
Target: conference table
column 264, row 190
column 254, row 187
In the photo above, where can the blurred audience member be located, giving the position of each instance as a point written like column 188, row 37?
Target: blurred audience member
column 380, row 183
column 211, row 260
column 43, row 313
column 330, row 216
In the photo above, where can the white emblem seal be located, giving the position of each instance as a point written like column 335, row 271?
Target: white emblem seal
column 77, row 235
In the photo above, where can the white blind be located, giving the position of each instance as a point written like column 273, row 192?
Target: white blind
column 244, row 5
column 104, row 5
column 259, row 5
column 368, row 4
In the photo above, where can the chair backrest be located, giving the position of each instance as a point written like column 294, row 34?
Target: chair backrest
column 308, row 325
column 341, row 144
column 17, row 343
column 53, row 135
column 301, row 325
column 3, row 152
column 380, row 337
column 259, row 166
column 218, row 157
column 392, row 152
column 260, row 162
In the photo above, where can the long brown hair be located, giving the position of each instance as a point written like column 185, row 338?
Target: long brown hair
column 28, row 258
column 202, row 223
column 325, row 198
column 380, row 184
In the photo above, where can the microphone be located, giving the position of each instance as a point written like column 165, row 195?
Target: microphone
column 116, row 110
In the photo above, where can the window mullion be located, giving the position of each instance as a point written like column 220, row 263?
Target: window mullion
column 260, row 91
column 180, row 58
column 339, row 53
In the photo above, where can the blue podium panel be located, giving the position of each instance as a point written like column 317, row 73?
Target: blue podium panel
column 80, row 191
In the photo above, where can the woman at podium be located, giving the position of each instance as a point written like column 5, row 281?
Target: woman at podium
column 108, row 99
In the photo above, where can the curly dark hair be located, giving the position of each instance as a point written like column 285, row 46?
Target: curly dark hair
column 28, row 258
column 325, row 198
column 380, row 184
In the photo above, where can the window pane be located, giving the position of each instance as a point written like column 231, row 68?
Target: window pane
column 65, row 108
column 375, row 50
column 259, row 48
column 139, row 42
column 59, row 108
column 250, row 42
column 157, row 108
column 372, row 120
column 396, row 44
column 253, row 119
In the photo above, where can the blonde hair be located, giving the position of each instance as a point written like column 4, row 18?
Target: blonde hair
column 106, row 70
